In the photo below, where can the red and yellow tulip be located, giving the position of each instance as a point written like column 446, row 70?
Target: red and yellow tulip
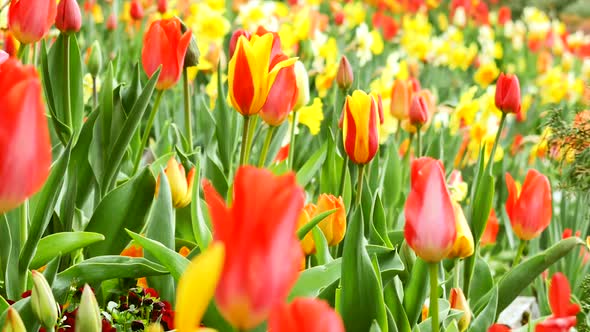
column 361, row 127
column 30, row 20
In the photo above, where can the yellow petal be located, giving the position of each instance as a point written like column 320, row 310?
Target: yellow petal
column 196, row 287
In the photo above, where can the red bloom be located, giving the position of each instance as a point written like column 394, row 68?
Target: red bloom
column 282, row 96
column 25, row 149
column 309, row 315
column 508, row 93
column 282, row 154
column 112, row 22
column 499, row 328
column 529, row 211
column 504, row 15
column 30, row 20
column 491, row 231
column 386, row 23
column 136, row 10
column 162, row 6
column 164, row 45
column 69, row 18
column 430, row 228
column 9, row 44
column 418, row 110
column 262, row 252
column 564, row 312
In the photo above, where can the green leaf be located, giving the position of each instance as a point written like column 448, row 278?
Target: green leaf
column 396, row 307
column 125, row 207
column 416, row 291
column 312, row 166
column 303, row 230
column 361, row 292
column 488, row 316
column 170, row 259
column 3, row 304
column 62, row 130
column 9, row 256
column 452, row 327
column 127, row 132
column 482, row 281
column 104, row 268
column 85, row 179
column 106, row 111
column 225, row 126
column 379, row 230
column 201, row 230
column 62, row 243
column 311, row 281
column 322, row 254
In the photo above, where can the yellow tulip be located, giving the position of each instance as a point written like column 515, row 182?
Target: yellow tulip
column 463, row 246
column 181, row 185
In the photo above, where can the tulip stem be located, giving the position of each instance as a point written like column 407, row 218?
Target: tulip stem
column 251, row 134
column 24, row 222
column 148, row 128
column 418, row 143
column 292, row 141
column 188, row 122
column 496, row 141
column 434, row 296
column 343, row 173
column 521, row 247
column 359, row 185
column 68, row 110
column 21, row 54
column 267, row 140
column 94, row 93
column 244, row 140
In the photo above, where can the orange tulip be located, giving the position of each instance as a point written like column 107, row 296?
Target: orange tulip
column 401, row 96
column 263, row 254
column 491, row 231
column 360, row 127
column 282, row 96
column 430, row 228
column 309, row 315
column 25, row 148
column 307, row 243
column 529, row 211
column 164, row 45
column 334, row 225
column 564, row 312
column 30, row 20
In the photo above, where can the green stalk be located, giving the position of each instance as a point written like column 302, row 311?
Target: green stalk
column 24, row 222
column 188, row 122
column 148, row 128
column 94, row 93
column 267, row 140
column 68, row 109
column 457, row 272
column 21, row 54
column 343, row 173
column 521, row 247
column 292, row 141
column 245, row 133
column 359, row 186
column 434, row 296
column 496, row 141
column 418, row 143
column 251, row 132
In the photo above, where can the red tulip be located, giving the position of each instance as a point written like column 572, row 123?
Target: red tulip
column 430, row 228
column 419, row 110
column 309, row 315
column 112, row 22
column 529, row 211
column 162, row 6
column 136, row 10
column 164, row 45
column 69, row 18
column 25, row 149
column 30, row 20
column 491, row 231
column 504, row 15
column 282, row 96
column 499, row 328
column 564, row 312
column 386, row 23
column 263, row 254
column 508, row 93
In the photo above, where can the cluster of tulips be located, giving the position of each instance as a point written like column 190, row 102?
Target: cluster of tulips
column 274, row 245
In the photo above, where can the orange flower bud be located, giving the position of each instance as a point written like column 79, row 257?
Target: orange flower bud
column 307, row 244
column 344, row 76
column 181, row 184
column 334, row 225
column 309, row 315
column 459, row 302
column 401, row 94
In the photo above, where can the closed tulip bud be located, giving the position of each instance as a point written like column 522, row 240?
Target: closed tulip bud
column 459, row 302
column 361, row 127
column 419, row 111
column 307, row 244
column 88, row 317
column 69, row 18
column 95, row 59
column 191, row 58
column 401, row 94
column 25, row 148
column 530, row 210
column 136, row 10
column 162, row 6
column 302, row 85
column 30, row 20
column 309, row 315
column 508, row 93
column 112, row 22
column 181, row 184
column 463, row 246
column 344, row 76
column 42, row 301
column 13, row 322
column 164, row 45
column 334, row 225
column 430, row 228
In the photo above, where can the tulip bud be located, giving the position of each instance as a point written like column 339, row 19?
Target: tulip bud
column 508, row 93
column 181, row 185
column 302, row 85
column 401, row 94
column 307, row 243
column 112, row 22
column 459, row 302
column 191, row 58
column 68, row 18
column 42, row 301
column 463, row 246
column 162, row 6
column 418, row 111
column 334, row 225
column 361, row 127
column 13, row 322
column 95, row 59
column 136, row 10
column 345, row 76
column 88, row 317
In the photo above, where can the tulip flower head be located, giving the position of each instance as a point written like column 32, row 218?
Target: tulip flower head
column 25, row 148
column 263, row 254
column 307, row 243
column 181, row 184
column 401, row 97
column 507, row 96
column 530, row 210
column 112, row 22
column 309, row 315
column 564, row 312
column 302, row 85
column 499, row 328
column 30, row 20
column 463, row 246
column 491, row 231
column 360, row 128
column 13, row 322
column 69, row 18
column 162, row 6
column 334, row 225
column 458, row 301
column 252, row 72
column 42, row 301
column 136, row 10
column 164, row 45
column 419, row 112
column 282, row 96
column 430, row 228
column 344, row 76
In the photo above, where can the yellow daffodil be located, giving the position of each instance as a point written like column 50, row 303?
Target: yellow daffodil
column 312, row 116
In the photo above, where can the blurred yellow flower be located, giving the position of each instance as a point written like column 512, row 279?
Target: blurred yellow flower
column 486, row 74
column 312, row 116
